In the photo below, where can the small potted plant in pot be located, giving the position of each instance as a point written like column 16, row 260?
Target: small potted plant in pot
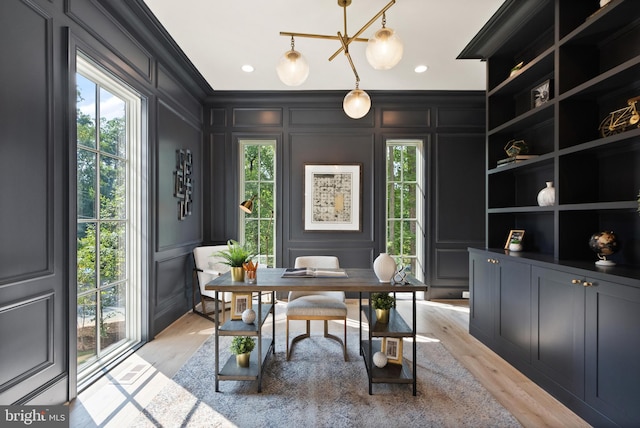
column 235, row 256
column 242, row 346
column 382, row 303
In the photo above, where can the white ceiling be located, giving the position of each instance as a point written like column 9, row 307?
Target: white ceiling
column 219, row 37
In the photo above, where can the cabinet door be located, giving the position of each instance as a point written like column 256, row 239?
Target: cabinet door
column 613, row 351
column 482, row 279
column 514, row 311
column 558, row 327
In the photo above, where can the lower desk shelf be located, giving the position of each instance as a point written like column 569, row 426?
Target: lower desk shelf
column 231, row 370
column 260, row 354
column 391, row 373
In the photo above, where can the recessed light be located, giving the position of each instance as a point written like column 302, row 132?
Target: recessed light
column 420, row 69
column 247, row 68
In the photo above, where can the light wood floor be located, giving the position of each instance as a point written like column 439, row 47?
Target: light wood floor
column 116, row 399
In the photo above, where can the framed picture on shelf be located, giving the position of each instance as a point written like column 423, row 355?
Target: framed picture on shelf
column 541, row 93
column 392, row 348
column 239, row 303
column 332, row 197
column 514, row 235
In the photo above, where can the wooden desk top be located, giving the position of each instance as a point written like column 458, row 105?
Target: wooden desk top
column 271, row 280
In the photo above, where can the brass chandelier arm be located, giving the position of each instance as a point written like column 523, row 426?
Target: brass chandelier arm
column 363, row 29
column 345, row 47
column 319, row 36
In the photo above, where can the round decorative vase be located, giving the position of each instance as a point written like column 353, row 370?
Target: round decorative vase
column 248, row 316
column 547, row 196
column 237, row 274
column 242, row 360
column 380, row 359
column 515, row 247
column 384, row 267
column 382, row 315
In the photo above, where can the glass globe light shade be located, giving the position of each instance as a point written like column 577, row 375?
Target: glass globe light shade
column 384, row 49
column 293, row 68
column 356, row 104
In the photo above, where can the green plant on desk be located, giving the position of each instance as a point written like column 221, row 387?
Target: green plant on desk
column 235, row 255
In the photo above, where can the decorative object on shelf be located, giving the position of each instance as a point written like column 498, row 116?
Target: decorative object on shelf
column 604, row 244
column 242, row 346
column 183, row 184
column 250, row 271
column 515, row 70
column 618, row 120
column 516, row 147
column 380, row 359
column 638, row 202
column 240, row 302
column 516, row 236
column 392, row 348
column 515, row 244
column 332, row 197
column 382, row 303
column 384, row 267
column 384, row 51
column 248, row 316
column 235, row 256
column 547, row 196
column 541, row 94
column 400, row 277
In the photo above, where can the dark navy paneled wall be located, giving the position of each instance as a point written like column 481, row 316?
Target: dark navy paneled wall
column 310, row 127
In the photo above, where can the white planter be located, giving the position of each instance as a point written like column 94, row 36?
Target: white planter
column 384, row 267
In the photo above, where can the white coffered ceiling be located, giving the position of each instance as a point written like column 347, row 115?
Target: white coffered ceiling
column 219, row 37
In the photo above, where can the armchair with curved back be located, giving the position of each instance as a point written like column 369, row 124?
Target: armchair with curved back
column 317, row 305
column 207, row 266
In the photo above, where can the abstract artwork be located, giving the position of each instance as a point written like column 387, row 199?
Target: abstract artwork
column 183, row 184
column 332, row 197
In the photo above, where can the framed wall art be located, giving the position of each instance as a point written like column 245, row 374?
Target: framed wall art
column 332, row 197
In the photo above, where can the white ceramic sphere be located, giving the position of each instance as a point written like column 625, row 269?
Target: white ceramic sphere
column 248, row 316
column 380, row 359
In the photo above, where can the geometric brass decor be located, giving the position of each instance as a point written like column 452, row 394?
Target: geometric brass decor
column 183, row 185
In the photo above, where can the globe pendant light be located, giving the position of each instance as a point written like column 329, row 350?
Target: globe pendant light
column 384, row 49
column 292, row 68
column 356, row 103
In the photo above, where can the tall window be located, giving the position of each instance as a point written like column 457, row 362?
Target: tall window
column 108, row 217
column 257, row 178
column 405, row 204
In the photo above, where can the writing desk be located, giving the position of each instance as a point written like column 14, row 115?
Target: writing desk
column 357, row 280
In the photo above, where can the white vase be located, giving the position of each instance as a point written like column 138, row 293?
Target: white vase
column 384, row 267
column 547, row 196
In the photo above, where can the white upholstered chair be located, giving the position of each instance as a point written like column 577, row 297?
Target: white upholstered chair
column 317, row 305
column 207, row 266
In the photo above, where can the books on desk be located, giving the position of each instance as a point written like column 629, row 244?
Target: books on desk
column 515, row 159
column 314, row 273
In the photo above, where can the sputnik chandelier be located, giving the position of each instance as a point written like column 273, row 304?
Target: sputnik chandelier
column 384, row 51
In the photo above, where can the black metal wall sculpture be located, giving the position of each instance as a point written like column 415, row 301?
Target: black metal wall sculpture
column 183, row 188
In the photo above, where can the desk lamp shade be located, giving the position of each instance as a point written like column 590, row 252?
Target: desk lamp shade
column 247, row 206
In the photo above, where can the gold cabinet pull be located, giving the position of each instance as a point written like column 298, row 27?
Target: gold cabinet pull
column 587, row 284
column 576, row 281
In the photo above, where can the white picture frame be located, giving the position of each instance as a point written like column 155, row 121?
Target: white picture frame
column 332, row 197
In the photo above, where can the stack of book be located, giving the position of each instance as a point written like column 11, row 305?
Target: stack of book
column 515, row 159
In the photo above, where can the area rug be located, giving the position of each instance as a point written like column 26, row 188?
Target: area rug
column 317, row 388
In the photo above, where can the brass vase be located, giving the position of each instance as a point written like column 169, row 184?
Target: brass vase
column 382, row 315
column 237, row 274
column 242, row 360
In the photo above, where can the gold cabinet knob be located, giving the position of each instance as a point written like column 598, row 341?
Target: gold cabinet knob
column 576, row 281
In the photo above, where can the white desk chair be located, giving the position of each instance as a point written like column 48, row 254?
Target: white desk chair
column 317, row 305
column 207, row 266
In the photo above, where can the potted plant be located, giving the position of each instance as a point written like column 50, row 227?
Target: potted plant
column 515, row 244
column 242, row 346
column 235, row 256
column 382, row 303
